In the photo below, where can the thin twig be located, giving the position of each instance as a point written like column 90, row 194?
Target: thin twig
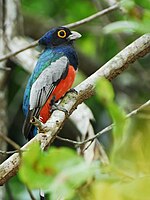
column 72, row 25
column 88, row 146
column 9, row 152
column 33, row 44
column 9, row 141
column 68, row 140
column 30, row 193
column 94, row 16
column 134, row 112
column 108, row 128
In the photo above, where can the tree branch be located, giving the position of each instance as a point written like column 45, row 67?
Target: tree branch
column 94, row 16
column 108, row 128
column 72, row 25
column 9, row 141
column 31, row 45
column 111, row 69
column 8, row 152
column 12, row 143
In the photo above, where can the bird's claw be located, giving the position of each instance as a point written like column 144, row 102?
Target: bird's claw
column 57, row 107
column 73, row 90
column 54, row 107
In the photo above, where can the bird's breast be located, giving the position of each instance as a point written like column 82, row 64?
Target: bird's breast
column 60, row 90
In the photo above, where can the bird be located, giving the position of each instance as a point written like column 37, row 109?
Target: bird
column 52, row 77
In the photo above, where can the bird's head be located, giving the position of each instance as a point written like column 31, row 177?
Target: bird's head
column 59, row 36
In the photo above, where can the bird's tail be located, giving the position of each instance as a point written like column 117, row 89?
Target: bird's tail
column 42, row 196
column 28, row 127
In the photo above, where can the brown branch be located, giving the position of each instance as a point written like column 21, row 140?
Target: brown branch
column 9, row 141
column 72, row 25
column 111, row 69
column 108, row 128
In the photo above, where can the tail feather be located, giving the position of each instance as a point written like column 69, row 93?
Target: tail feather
column 28, row 128
column 42, row 196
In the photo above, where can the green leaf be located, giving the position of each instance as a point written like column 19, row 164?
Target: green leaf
column 133, row 25
column 33, row 171
column 70, row 179
column 104, row 190
column 105, row 94
column 132, row 154
column 59, row 171
column 121, row 26
column 19, row 190
column 127, row 5
column 144, row 4
column 104, row 91
column 136, row 189
column 41, row 169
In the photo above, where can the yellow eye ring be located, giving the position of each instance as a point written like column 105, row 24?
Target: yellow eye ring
column 62, row 34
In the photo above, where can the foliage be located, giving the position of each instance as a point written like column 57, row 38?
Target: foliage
column 116, row 113
column 17, row 190
column 136, row 18
column 61, row 170
column 62, row 173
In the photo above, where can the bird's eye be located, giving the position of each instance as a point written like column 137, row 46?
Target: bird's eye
column 62, row 34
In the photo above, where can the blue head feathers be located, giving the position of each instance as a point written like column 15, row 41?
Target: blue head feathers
column 58, row 36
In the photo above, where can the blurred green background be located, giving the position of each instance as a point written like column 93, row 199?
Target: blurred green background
column 101, row 39
column 94, row 49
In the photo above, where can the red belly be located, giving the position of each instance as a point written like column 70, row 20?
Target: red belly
column 59, row 91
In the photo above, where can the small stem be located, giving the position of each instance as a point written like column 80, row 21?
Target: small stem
column 30, row 193
column 94, row 16
column 108, row 128
column 9, row 152
column 33, row 44
column 11, row 142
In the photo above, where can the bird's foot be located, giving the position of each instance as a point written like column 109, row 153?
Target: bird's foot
column 73, row 91
column 55, row 106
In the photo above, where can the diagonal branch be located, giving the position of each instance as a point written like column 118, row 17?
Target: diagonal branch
column 9, row 141
column 110, row 70
column 94, row 16
column 72, row 25
column 33, row 44
column 108, row 128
